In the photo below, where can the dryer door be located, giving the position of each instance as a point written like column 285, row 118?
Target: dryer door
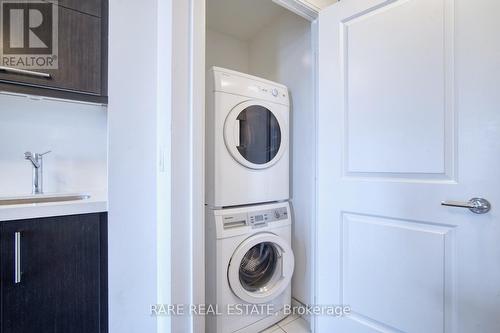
column 261, row 268
column 255, row 134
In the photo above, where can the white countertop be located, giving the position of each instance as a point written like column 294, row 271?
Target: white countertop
column 98, row 202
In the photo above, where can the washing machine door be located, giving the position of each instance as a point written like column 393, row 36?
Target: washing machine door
column 256, row 134
column 261, row 268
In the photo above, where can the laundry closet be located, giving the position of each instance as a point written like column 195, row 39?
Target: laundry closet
column 263, row 39
column 384, row 125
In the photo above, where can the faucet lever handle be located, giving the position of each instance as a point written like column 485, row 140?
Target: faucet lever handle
column 48, row 151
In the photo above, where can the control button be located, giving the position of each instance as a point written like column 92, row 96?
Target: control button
column 275, row 92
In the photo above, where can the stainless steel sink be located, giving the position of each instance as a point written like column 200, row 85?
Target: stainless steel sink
column 42, row 198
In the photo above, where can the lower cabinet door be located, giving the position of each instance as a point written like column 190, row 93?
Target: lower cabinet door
column 51, row 275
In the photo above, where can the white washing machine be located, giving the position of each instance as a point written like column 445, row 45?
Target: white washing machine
column 249, row 266
column 247, row 139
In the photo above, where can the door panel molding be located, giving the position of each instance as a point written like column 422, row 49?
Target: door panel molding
column 370, row 123
column 404, row 259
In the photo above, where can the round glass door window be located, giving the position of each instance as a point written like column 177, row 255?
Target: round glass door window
column 261, row 268
column 258, row 267
column 259, row 134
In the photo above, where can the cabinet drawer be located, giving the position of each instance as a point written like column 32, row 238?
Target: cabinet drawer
column 79, row 56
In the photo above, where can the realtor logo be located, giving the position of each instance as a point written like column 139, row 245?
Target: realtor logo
column 28, row 34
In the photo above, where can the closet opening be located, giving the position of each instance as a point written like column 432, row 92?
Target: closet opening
column 264, row 39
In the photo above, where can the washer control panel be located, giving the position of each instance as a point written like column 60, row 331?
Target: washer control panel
column 255, row 219
column 265, row 216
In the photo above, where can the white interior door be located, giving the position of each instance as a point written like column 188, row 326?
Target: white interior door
column 409, row 116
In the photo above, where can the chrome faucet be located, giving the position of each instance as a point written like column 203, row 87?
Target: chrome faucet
column 37, row 161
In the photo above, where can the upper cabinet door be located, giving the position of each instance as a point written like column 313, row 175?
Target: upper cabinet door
column 79, row 56
column 92, row 7
column 408, row 117
column 64, row 55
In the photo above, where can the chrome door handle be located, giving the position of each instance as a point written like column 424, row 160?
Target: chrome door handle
column 475, row 205
column 25, row 72
column 17, row 257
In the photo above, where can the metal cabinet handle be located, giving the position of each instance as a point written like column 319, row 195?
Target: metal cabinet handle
column 475, row 205
column 25, row 72
column 17, row 257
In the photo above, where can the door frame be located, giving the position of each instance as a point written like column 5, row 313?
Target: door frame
column 189, row 118
column 188, row 162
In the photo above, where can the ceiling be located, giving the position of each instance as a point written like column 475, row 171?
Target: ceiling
column 242, row 19
column 320, row 4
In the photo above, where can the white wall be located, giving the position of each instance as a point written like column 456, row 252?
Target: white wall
column 75, row 132
column 139, row 201
column 163, row 146
column 282, row 52
column 226, row 51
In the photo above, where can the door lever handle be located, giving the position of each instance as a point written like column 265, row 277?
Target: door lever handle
column 475, row 205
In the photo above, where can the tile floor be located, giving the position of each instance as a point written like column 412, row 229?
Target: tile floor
column 291, row 324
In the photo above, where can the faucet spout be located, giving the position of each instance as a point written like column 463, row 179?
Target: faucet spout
column 29, row 156
column 37, row 162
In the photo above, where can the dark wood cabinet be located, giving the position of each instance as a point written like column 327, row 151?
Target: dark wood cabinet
column 79, row 67
column 91, row 7
column 63, row 282
column 82, row 57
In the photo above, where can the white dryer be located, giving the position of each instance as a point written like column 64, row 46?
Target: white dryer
column 249, row 266
column 247, row 139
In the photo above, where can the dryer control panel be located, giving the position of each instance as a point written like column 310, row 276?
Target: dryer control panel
column 228, row 81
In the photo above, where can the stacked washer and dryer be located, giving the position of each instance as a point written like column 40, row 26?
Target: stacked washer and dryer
column 249, row 260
